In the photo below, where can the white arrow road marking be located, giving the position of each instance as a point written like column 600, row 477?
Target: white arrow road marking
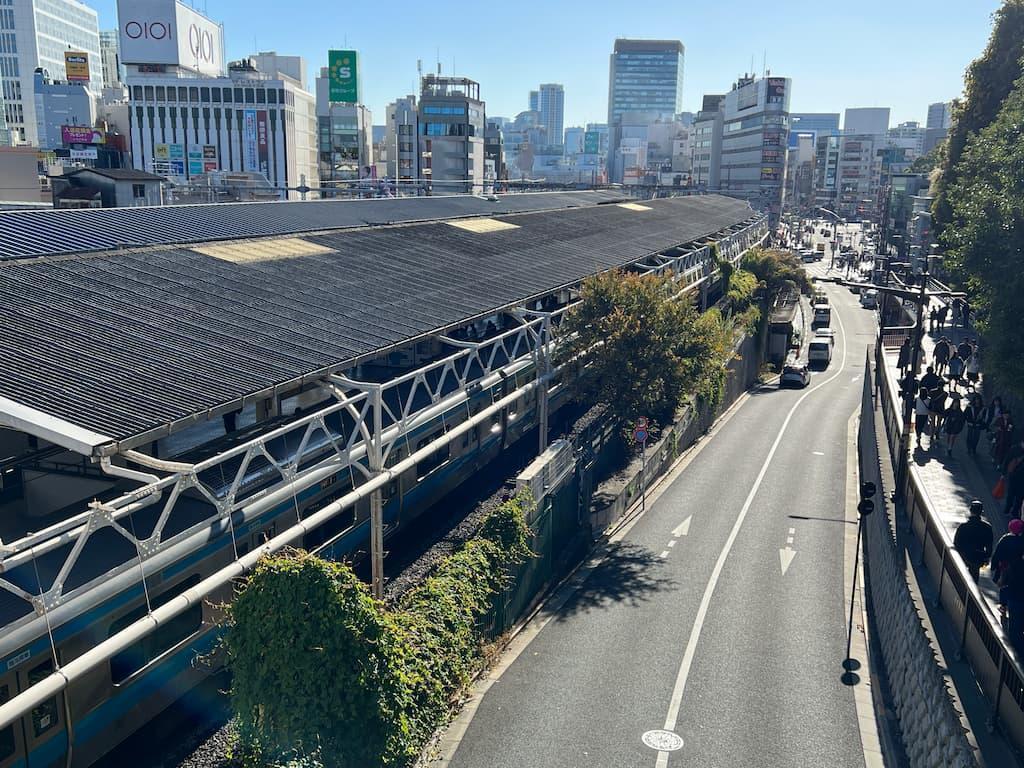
column 818, row 453
column 683, row 528
column 786, row 557
column 664, row 554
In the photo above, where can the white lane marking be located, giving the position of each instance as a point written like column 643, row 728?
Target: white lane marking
column 818, row 453
column 789, row 539
column 792, row 531
column 683, row 528
column 672, row 543
column 786, row 558
column 664, row 554
column 716, row 573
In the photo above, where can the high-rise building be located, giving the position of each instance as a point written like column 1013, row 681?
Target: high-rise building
column 344, row 138
column 573, row 141
column 5, row 132
column 451, row 137
column 39, row 33
column 707, row 143
column 818, row 123
column 534, row 101
column 551, row 106
column 872, row 121
column 939, row 114
column 755, row 139
column 58, row 104
column 110, row 58
column 645, row 77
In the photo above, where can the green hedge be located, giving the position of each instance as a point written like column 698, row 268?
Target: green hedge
column 321, row 668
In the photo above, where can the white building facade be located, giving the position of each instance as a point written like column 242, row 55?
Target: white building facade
column 37, row 33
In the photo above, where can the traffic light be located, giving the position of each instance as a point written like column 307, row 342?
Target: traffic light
column 866, row 505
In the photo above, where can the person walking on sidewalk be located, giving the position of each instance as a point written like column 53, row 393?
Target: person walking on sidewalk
column 965, row 312
column 940, row 354
column 921, row 413
column 1002, row 426
column 930, row 380
column 953, row 424
column 956, row 371
column 965, row 349
column 937, row 405
column 974, row 416
column 973, row 540
column 1013, row 471
column 933, row 319
column 973, row 369
column 943, row 314
column 906, row 352
column 1009, row 547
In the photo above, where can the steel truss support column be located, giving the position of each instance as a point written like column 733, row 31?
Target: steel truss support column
column 375, row 461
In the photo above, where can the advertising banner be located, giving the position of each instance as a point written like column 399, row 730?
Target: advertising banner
column 263, row 142
column 195, row 161
column 776, row 90
column 250, row 154
column 84, row 154
column 591, row 142
column 210, row 158
column 770, row 174
column 76, row 66
column 80, row 134
column 343, row 74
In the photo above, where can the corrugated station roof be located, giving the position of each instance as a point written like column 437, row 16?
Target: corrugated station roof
column 131, row 344
column 25, row 234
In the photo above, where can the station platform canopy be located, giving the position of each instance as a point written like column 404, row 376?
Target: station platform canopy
column 108, row 350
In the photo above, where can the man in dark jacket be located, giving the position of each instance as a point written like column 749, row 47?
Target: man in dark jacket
column 1009, row 548
column 973, row 540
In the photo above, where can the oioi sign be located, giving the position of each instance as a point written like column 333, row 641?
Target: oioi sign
column 169, row 32
column 343, row 76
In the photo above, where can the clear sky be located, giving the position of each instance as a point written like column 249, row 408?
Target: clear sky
column 902, row 54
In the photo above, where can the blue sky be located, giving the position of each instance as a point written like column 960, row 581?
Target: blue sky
column 898, row 53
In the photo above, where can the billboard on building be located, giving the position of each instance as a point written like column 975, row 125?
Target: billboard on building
column 169, row 32
column 90, row 153
column 195, row 161
column 591, row 142
column 343, row 76
column 263, row 142
column 76, row 66
column 170, row 157
column 210, row 158
column 250, row 153
column 80, row 134
column 776, row 90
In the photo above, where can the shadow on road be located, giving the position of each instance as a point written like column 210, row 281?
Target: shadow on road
column 629, row 575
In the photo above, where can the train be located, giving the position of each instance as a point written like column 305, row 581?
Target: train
column 94, row 715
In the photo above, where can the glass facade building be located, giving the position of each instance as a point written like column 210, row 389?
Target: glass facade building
column 645, row 76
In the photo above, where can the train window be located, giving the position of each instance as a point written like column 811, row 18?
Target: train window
column 44, row 717
column 435, row 460
column 262, row 537
column 7, row 734
column 165, row 637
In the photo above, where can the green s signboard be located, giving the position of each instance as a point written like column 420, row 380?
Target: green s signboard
column 341, row 67
column 591, row 142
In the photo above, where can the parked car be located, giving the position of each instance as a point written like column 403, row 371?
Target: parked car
column 794, row 374
column 869, row 299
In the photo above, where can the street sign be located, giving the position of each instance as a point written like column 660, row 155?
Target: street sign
column 641, row 423
column 640, row 434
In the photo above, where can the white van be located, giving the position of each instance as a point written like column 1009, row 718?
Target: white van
column 822, row 315
column 820, row 350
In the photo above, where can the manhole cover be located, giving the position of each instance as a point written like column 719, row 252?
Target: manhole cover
column 663, row 741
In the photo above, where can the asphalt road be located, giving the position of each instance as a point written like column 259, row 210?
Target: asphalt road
column 695, row 627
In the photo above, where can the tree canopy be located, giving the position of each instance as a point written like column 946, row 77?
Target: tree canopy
column 987, row 82
column 985, row 236
column 776, row 272
column 647, row 351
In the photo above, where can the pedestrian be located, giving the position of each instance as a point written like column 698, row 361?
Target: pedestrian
column 933, row 319
column 1009, row 547
column 921, row 413
column 1002, row 428
column 937, row 408
column 956, row 370
column 1012, row 592
column 965, row 312
column 906, row 350
column 1013, row 471
column 940, row 354
column 953, row 423
column 943, row 314
column 974, row 415
column 972, row 370
column 930, row 380
column 973, row 540
column 965, row 349
column 956, row 313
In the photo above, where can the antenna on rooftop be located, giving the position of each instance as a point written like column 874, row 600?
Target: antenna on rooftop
column 764, row 63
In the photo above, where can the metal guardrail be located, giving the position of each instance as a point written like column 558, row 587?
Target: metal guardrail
column 982, row 642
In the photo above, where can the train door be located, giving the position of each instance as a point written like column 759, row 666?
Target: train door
column 12, row 738
column 44, row 727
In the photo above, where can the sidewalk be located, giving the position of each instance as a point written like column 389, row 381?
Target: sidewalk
column 952, row 482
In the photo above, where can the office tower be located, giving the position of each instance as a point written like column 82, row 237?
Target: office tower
column 451, row 134
column 866, row 120
column 551, row 105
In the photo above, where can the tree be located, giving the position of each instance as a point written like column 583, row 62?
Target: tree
column 985, row 235
column 648, row 350
column 931, row 160
column 988, row 81
column 777, row 272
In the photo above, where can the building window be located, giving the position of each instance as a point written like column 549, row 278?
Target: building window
column 215, row 95
column 137, row 92
column 161, row 93
column 183, row 94
column 204, row 95
column 272, row 96
column 193, row 94
column 261, row 96
column 149, row 92
column 250, row 95
column 138, row 191
column 239, row 98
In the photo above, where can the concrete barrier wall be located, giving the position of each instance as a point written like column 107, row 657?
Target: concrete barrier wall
column 933, row 732
column 607, row 509
column 982, row 641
